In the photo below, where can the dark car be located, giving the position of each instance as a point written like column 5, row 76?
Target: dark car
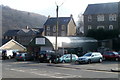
column 111, row 55
column 119, row 55
column 47, row 56
column 24, row 57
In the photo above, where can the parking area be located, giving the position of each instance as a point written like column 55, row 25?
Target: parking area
column 104, row 66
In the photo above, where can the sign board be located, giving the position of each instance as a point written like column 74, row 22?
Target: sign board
column 40, row 41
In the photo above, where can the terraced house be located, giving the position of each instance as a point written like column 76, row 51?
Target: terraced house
column 66, row 26
column 104, row 15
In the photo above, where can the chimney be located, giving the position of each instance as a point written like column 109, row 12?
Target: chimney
column 71, row 15
column 27, row 27
column 49, row 16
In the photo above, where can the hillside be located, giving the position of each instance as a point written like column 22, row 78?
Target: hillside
column 15, row 19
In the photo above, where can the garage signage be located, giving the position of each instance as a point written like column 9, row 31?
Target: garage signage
column 40, row 41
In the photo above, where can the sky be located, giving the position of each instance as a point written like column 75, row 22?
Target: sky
column 48, row 7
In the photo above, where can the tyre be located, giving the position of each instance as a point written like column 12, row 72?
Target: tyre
column 9, row 57
column 116, row 59
column 100, row 60
column 89, row 61
column 63, row 61
column 76, row 62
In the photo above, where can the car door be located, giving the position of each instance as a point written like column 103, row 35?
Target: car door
column 94, row 57
column 67, row 58
column 73, row 58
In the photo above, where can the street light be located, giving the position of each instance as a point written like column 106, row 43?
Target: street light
column 57, row 26
column 56, row 30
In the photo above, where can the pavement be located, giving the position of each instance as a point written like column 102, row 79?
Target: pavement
column 93, row 66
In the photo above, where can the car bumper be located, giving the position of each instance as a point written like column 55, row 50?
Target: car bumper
column 82, row 61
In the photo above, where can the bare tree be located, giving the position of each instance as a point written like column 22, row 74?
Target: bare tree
column 80, row 26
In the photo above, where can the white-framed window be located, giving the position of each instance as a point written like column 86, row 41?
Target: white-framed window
column 110, row 27
column 112, row 17
column 100, row 27
column 63, row 27
column 54, row 34
column 89, row 27
column 100, row 17
column 54, row 28
column 48, row 28
column 89, row 18
column 47, row 33
column 62, row 33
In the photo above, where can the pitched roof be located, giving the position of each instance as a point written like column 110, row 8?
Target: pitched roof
column 28, row 32
column 14, row 45
column 61, row 20
column 103, row 8
column 11, row 33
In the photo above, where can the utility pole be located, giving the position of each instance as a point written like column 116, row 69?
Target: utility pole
column 56, row 31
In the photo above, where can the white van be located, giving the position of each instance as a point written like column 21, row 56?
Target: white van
column 8, row 53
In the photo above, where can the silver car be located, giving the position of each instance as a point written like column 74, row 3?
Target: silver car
column 90, row 57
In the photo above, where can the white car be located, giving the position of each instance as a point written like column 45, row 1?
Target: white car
column 90, row 57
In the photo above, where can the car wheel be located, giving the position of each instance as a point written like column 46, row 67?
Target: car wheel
column 116, row 59
column 9, row 57
column 63, row 61
column 24, row 59
column 76, row 62
column 89, row 61
column 100, row 60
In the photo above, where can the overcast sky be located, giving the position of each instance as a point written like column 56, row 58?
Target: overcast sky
column 48, row 7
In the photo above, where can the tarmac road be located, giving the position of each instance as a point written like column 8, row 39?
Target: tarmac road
column 27, row 69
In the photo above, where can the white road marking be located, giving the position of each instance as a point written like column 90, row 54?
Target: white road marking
column 46, row 73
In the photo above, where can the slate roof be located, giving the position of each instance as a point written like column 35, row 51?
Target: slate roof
column 11, row 33
column 103, row 8
column 61, row 20
column 28, row 32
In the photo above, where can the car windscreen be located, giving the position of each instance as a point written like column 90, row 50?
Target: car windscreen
column 88, row 54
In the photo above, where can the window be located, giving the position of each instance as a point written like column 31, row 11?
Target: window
column 54, row 28
column 48, row 34
column 89, row 27
column 63, row 27
column 100, row 17
column 100, row 27
column 112, row 17
column 48, row 28
column 54, row 34
column 111, row 27
column 63, row 33
column 89, row 18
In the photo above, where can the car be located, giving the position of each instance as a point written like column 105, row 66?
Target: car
column 111, row 55
column 24, row 57
column 90, row 57
column 47, row 56
column 119, row 55
column 67, row 58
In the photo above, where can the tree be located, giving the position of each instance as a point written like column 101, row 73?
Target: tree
column 80, row 24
